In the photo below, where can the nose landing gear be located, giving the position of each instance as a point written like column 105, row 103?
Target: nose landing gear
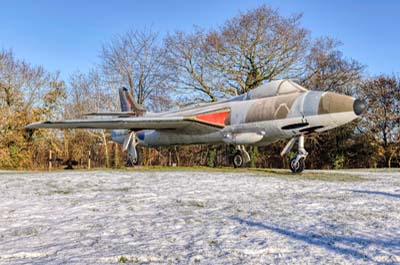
column 296, row 164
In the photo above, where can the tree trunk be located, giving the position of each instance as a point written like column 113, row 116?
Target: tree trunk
column 177, row 156
column 116, row 156
column 389, row 160
column 106, row 156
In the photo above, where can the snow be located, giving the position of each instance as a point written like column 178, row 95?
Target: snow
column 107, row 217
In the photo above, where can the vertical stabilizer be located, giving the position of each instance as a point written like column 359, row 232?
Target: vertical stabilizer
column 128, row 102
column 125, row 106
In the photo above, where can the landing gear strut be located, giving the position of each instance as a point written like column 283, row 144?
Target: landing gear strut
column 241, row 157
column 134, row 155
column 296, row 164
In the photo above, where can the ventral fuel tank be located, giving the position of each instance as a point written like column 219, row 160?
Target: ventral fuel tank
column 243, row 138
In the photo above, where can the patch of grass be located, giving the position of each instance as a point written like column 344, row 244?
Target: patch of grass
column 26, row 231
column 192, row 203
column 199, row 204
column 195, row 169
column 384, row 170
column 212, row 242
column 267, row 172
column 124, row 189
column 321, row 176
column 56, row 189
column 63, row 192
column 343, row 175
column 123, row 259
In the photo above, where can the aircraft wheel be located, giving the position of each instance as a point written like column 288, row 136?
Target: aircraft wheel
column 297, row 167
column 128, row 162
column 136, row 161
column 238, row 160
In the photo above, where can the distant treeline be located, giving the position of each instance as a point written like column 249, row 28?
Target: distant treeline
column 197, row 66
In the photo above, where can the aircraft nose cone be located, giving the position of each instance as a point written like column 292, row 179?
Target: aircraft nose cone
column 359, row 106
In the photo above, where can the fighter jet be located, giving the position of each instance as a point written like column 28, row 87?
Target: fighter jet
column 274, row 111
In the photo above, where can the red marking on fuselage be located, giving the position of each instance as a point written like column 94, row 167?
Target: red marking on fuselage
column 217, row 118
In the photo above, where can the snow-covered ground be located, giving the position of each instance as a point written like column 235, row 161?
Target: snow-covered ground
column 169, row 217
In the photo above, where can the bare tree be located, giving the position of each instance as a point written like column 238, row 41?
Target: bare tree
column 326, row 69
column 21, row 84
column 89, row 93
column 24, row 87
column 383, row 115
column 134, row 59
column 256, row 46
column 190, row 73
column 27, row 93
column 250, row 48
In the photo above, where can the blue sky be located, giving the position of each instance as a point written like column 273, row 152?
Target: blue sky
column 68, row 35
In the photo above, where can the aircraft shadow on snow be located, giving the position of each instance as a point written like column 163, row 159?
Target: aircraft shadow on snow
column 393, row 195
column 329, row 242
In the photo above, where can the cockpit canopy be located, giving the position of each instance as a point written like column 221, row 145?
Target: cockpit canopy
column 272, row 89
column 275, row 88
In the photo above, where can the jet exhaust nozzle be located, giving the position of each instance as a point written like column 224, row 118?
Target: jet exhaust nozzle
column 359, row 106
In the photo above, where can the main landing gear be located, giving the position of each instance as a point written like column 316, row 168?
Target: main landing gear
column 134, row 157
column 297, row 163
column 241, row 157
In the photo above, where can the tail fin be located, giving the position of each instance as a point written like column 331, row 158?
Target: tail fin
column 125, row 106
column 128, row 103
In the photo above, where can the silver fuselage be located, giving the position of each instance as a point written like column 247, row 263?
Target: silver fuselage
column 258, row 121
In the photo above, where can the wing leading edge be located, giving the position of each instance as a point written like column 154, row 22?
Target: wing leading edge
column 188, row 124
column 201, row 123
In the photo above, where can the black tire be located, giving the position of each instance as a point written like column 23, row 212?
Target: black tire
column 137, row 162
column 128, row 162
column 297, row 167
column 238, row 160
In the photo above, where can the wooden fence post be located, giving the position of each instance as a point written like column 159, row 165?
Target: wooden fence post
column 89, row 159
column 50, row 159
